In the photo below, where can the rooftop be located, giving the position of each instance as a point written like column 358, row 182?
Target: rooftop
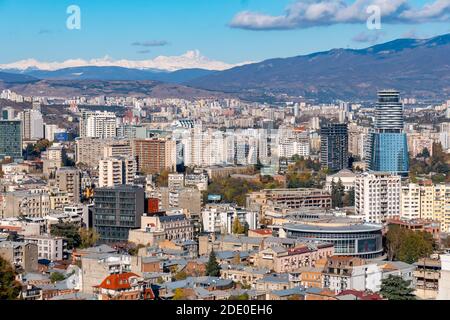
column 350, row 228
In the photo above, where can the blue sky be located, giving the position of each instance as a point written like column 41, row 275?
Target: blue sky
column 36, row 29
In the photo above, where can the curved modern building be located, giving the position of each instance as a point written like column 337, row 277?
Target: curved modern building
column 350, row 239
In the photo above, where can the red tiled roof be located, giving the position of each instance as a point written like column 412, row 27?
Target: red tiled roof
column 117, row 281
column 11, row 228
column 299, row 250
column 361, row 295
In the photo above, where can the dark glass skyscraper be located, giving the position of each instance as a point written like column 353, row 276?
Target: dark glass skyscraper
column 117, row 210
column 10, row 139
column 334, row 146
column 389, row 147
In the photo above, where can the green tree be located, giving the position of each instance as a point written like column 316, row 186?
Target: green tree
column 9, row 287
column 407, row 245
column 337, row 194
column 213, row 267
column 425, row 153
column 69, row 231
column 134, row 251
column 239, row 297
column 88, row 237
column 394, row 238
column 238, row 228
column 349, row 198
column 56, row 277
column 416, row 245
column 395, row 288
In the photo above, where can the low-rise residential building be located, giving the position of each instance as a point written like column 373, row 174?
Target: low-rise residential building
column 245, row 275
column 20, row 255
column 220, row 218
column 426, row 278
column 274, row 282
column 291, row 198
column 176, row 227
column 49, row 247
column 124, row 286
column 280, row 259
column 98, row 266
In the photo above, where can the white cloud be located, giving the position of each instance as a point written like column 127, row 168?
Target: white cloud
column 310, row 13
column 370, row 37
column 191, row 59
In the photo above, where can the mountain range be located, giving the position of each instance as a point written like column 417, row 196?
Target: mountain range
column 416, row 67
column 110, row 74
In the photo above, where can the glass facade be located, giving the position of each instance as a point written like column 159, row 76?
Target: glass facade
column 388, row 143
column 390, row 153
column 334, row 146
column 10, row 139
column 363, row 244
column 117, row 210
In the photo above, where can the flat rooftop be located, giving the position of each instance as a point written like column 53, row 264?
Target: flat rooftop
column 350, row 228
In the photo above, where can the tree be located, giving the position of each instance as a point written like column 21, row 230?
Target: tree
column 407, row 245
column 425, row 153
column 160, row 280
column 337, row 194
column 163, row 179
column 239, row 297
column 69, row 231
column 213, row 267
column 9, row 287
column 395, row 288
column 349, row 198
column 416, row 245
column 35, row 150
column 56, row 277
column 180, row 276
column 89, row 238
column 394, row 238
column 179, row 294
column 134, row 251
column 238, row 228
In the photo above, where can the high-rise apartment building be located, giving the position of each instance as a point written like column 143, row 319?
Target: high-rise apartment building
column 334, row 146
column 427, row 201
column 117, row 210
column 389, row 146
column 68, row 179
column 32, row 124
column 116, row 171
column 10, row 139
column 98, row 124
column 377, row 196
column 155, row 155
column 90, row 151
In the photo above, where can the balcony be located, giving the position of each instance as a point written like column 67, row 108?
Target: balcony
column 426, row 275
